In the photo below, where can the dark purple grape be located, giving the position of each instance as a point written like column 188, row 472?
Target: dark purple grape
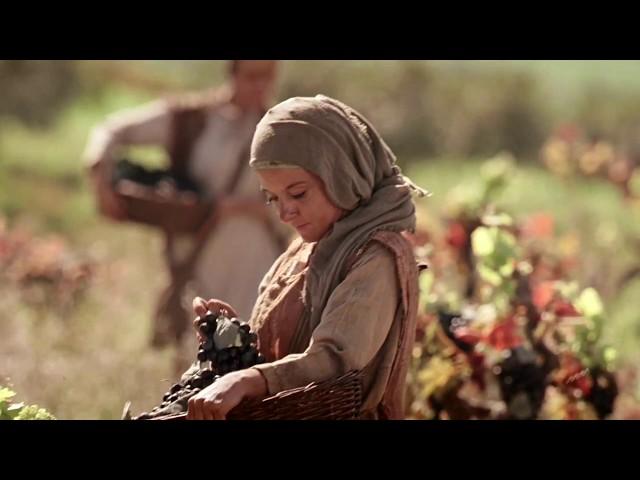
column 604, row 391
column 204, row 329
column 207, row 345
column 522, row 382
column 197, row 382
column 249, row 358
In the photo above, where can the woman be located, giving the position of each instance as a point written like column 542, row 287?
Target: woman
column 344, row 295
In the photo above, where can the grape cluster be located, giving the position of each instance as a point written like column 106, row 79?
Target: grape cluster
column 523, row 382
column 227, row 345
column 604, row 392
column 152, row 178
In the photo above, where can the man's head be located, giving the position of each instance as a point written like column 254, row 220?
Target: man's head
column 252, row 82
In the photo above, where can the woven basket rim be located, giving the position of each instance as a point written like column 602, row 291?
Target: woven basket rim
column 346, row 380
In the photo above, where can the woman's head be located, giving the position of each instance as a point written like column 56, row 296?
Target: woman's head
column 328, row 139
column 320, row 147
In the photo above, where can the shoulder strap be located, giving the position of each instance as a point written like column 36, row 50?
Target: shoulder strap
column 188, row 118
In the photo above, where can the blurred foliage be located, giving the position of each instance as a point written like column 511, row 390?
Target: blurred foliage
column 420, row 107
column 35, row 91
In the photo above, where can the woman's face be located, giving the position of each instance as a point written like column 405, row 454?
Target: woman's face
column 301, row 200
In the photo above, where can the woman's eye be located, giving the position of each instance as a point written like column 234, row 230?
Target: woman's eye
column 298, row 196
column 269, row 200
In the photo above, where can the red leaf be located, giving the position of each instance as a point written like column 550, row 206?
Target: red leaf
column 457, row 236
column 539, row 225
column 543, row 294
column 467, row 335
column 563, row 308
column 504, row 335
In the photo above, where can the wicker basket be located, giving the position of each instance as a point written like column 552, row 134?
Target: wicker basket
column 336, row 399
column 174, row 212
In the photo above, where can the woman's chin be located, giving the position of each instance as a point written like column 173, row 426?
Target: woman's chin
column 307, row 234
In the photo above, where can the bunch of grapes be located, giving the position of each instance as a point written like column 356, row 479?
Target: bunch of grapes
column 523, row 382
column 604, row 391
column 227, row 345
column 156, row 179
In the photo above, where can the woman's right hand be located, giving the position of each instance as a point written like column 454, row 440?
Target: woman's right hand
column 201, row 307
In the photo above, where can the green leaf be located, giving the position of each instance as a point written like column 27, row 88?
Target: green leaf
column 425, row 282
column 589, row 303
column 505, row 249
column 482, row 242
column 507, row 269
column 498, row 167
column 502, row 302
column 609, row 354
column 14, row 409
column 34, row 412
column 490, row 276
column 6, row 394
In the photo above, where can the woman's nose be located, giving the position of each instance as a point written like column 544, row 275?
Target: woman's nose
column 287, row 212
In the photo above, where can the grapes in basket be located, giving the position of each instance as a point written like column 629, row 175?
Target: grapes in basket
column 128, row 174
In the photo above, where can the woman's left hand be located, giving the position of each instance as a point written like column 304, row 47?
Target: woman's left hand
column 215, row 401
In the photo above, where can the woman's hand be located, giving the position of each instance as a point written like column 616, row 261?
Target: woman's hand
column 202, row 306
column 215, row 401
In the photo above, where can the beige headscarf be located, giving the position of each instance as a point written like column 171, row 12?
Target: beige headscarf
column 359, row 171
